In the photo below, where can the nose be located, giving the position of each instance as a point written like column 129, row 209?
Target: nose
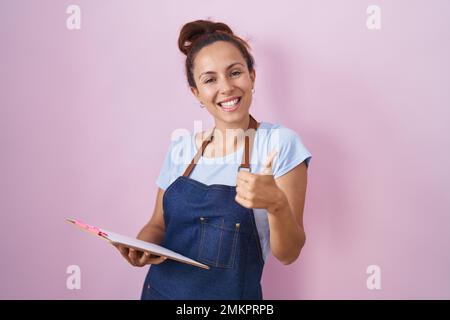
column 226, row 86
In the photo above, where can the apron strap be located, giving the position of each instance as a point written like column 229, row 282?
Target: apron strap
column 253, row 124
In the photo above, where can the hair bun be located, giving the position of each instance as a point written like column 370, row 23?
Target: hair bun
column 194, row 30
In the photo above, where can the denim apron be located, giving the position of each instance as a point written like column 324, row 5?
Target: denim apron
column 205, row 223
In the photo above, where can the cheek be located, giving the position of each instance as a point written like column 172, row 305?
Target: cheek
column 206, row 94
column 245, row 85
column 209, row 94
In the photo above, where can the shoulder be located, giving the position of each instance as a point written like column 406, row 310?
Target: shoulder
column 278, row 135
column 180, row 148
column 290, row 148
column 199, row 137
column 185, row 143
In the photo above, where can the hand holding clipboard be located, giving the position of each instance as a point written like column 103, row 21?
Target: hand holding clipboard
column 124, row 243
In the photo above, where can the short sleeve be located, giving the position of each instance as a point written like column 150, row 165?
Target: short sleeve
column 291, row 151
column 165, row 174
column 177, row 158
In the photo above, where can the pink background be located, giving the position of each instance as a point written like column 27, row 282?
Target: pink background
column 86, row 117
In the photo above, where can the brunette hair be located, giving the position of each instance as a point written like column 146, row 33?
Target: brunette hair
column 197, row 34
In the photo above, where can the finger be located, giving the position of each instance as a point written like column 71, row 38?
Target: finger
column 242, row 192
column 148, row 258
column 124, row 252
column 143, row 260
column 156, row 260
column 267, row 164
column 241, row 183
column 244, row 177
column 242, row 201
column 133, row 255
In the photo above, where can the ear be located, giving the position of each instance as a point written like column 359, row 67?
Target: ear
column 253, row 76
column 194, row 92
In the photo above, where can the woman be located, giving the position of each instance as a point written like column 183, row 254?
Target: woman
column 208, row 208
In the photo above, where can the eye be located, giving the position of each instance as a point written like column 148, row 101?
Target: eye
column 234, row 73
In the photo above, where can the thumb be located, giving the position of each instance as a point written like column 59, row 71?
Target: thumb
column 267, row 165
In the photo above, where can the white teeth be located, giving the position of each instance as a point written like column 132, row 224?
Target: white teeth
column 229, row 103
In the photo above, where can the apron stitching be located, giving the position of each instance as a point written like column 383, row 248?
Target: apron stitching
column 220, row 243
column 235, row 240
column 202, row 235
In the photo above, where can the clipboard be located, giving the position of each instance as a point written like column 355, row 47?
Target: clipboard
column 116, row 238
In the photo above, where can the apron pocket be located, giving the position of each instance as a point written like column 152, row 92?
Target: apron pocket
column 218, row 242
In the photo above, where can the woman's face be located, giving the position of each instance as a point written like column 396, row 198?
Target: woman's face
column 221, row 75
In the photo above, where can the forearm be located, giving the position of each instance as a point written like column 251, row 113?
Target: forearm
column 287, row 237
column 151, row 233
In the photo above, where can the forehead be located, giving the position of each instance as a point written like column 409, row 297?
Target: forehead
column 217, row 56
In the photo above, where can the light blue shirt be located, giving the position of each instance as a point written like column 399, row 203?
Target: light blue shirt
column 223, row 170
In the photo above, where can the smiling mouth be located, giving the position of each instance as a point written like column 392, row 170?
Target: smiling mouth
column 230, row 105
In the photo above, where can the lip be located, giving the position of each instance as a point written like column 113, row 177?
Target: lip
column 230, row 109
column 229, row 99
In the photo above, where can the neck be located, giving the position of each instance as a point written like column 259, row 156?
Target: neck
column 223, row 128
column 229, row 136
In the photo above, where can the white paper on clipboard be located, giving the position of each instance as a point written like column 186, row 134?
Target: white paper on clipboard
column 116, row 238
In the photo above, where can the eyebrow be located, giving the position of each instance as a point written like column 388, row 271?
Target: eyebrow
column 211, row 72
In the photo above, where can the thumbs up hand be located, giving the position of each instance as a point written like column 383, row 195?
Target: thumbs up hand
column 259, row 190
column 267, row 164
